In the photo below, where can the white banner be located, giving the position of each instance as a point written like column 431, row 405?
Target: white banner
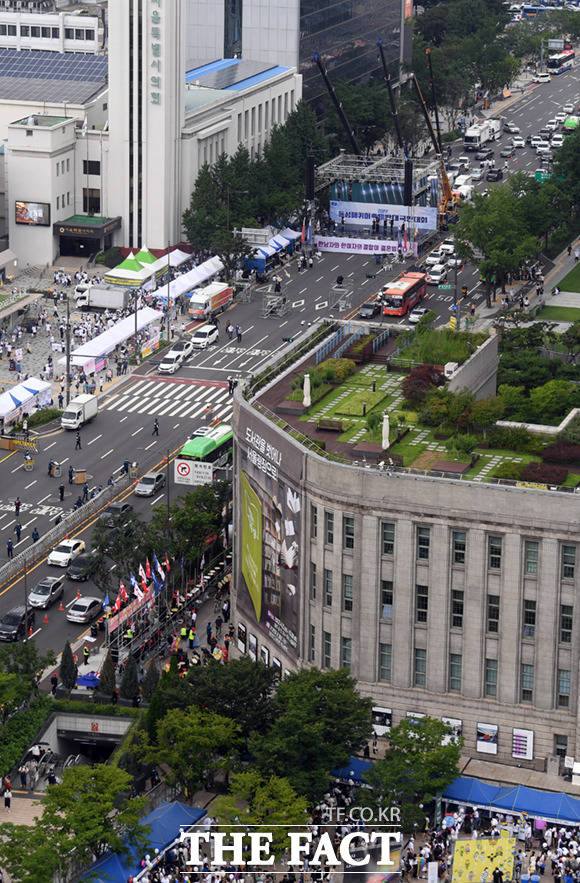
column 361, row 246
column 361, row 214
column 192, row 472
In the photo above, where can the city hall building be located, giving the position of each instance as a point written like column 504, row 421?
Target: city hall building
column 443, row 597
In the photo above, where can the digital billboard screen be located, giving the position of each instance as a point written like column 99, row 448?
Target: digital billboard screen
column 33, row 214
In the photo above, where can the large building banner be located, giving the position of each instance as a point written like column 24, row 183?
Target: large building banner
column 270, row 520
column 361, row 214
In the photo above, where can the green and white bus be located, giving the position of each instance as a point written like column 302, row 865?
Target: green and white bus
column 201, row 455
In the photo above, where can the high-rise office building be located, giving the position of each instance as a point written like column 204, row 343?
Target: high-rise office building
column 289, row 32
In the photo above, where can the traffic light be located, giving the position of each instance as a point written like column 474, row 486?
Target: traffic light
column 288, row 339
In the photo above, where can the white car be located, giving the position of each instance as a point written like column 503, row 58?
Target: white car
column 543, row 78
column 477, row 174
column 65, row 552
column 454, row 261
column 204, row 337
column 535, row 140
column 447, row 246
column 437, row 274
column 543, row 147
column 183, row 348
column 551, row 125
column 437, row 256
column 518, row 141
column 561, row 117
column 170, row 363
column 568, row 109
column 417, row 314
column 557, row 140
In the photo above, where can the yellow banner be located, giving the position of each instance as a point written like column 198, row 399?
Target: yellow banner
column 474, row 861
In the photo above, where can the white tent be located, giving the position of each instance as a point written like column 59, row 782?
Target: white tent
column 27, row 396
column 278, row 241
column 188, row 281
column 288, row 233
column 177, row 257
column 105, row 343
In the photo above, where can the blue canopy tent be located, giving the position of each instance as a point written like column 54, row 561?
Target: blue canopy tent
column 549, row 805
column 164, row 824
column 355, row 770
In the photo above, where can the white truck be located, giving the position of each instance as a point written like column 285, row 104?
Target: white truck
column 480, row 133
column 101, row 297
column 79, row 411
column 205, row 303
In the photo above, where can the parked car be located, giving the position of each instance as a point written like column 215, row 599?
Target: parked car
column 149, row 484
column 544, row 134
column 484, row 153
column 115, row 512
column 48, row 590
column 477, row 174
column 551, row 125
column 369, row 310
column 568, row 109
column 417, row 314
column 543, row 148
column 15, row 623
column 81, row 568
column 437, row 274
column 447, row 246
column 494, row 175
column 183, row 348
column 544, row 77
column 65, row 552
column 170, row 363
column 454, row 261
column 557, row 140
column 84, row 609
column 518, row 142
column 506, row 152
column 204, row 337
column 535, row 140
column 561, row 117
column 511, row 128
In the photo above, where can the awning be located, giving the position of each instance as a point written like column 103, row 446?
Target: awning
column 290, row 234
column 28, row 394
column 355, row 770
column 177, row 257
column 266, row 250
column 549, row 805
column 279, row 241
column 105, row 343
column 164, row 825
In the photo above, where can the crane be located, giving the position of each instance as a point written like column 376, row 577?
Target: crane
column 391, row 96
column 447, row 203
column 337, row 104
column 434, row 99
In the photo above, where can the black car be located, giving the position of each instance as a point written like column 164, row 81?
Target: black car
column 81, row 567
column 545, row 134
column 14, row 624
column 484, row 153
column 368, row 311
column 115, row 514
column 494, row 175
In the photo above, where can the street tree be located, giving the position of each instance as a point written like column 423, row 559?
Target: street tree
column 232, row 249
column 498, row 237
column 195, row 745
column 107, row 679
column 415, row 768
column 68, row 668
column 129, row 688
column 571, row 340
column 261, row 804
column 25, row 661
column 243, row 691
column 319, row 721
column 85, row 815
column 151, row 680
column 486, row 412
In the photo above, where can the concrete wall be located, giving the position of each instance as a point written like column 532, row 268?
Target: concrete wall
column 479, row 372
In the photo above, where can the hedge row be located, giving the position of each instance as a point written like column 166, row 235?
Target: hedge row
column 546, row 473
column 19, row 731
column 561, row 452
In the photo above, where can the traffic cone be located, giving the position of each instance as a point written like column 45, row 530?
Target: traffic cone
column 78, row 594
column 45, row 618
column 30, row 632
column 60, row 608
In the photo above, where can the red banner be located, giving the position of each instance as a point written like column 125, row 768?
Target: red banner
column 129, row 610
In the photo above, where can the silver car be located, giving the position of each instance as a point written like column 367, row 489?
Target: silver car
column 84, row 609
column 48, row 590
column 149, row 484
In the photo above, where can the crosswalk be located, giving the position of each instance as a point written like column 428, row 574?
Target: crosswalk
column 157, row 398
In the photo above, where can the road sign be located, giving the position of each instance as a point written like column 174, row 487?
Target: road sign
column 193, row 472
column 445, row 286
column 556, row 44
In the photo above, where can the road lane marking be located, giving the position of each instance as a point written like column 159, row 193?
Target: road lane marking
column 151, row 445
column 31, row 483
column 48, row 447
column 107, row 454
column 93, row 440
column 319, row 278
column 137, row 431
column 156, row 500
column 12, row 471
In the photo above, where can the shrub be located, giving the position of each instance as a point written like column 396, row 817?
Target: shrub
column 515, row 438
column 545, row 473
column 19, row 731
column 509, row 470
column 342, row 368
column 418, row 383
column 129, row 688
column 68, row 668
column 561, row 452
column 462, row 444
column 107, row 681
column 572, row 432
column 373, row 420
column 110, row 258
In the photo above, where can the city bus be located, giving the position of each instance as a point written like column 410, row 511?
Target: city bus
column 561, row 62
column 533, row 11
column 398, row 298
column 204, row 453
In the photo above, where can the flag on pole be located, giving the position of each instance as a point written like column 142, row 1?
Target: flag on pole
column 106, row 602
column 167, row 567
column 155, row 581
column 138, row 593
column 202, row 562
column 142, row 572
column 148, row 569
column 158, row 567
column 117, row 605
column 405, row 239
column 85, row 127
column 134, row 583
column 303, row 237
column 144, row 584
column 123, row 591
column 309, row 234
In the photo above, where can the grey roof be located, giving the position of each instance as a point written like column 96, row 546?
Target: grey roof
column 224, row 72
column 34, row 75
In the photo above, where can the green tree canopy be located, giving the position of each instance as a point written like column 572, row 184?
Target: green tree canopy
column 415, row 768
column 319, row 721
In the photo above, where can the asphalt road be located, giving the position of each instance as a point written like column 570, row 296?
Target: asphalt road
column 123, row 428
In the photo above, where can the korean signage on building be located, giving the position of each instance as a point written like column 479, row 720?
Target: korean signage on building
column 361, row 214
column 156, row 44
column 361, row 246
column 269, row 515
